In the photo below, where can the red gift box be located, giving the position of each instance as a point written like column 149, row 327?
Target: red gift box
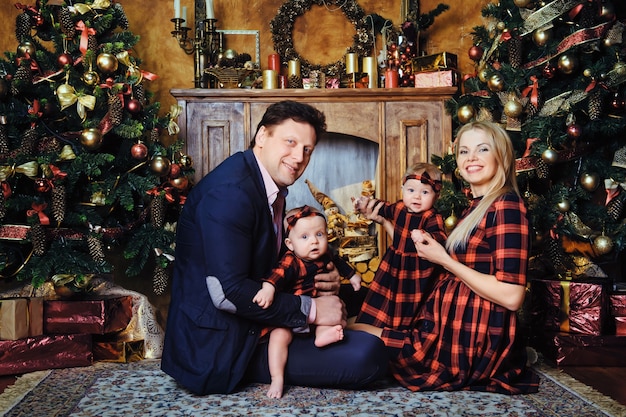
column 97, row 315
column 45, row 352
column 583, row 350
column 618, row 305
column 568, row 306
column 444, row 78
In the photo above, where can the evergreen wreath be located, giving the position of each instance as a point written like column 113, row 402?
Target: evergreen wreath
column 282, row 29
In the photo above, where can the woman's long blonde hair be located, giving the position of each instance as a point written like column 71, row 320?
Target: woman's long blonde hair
column 503, row 181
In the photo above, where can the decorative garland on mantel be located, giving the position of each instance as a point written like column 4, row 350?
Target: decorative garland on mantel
column 282, row 29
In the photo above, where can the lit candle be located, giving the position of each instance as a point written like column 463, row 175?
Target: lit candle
column 176, row 9
column 209, row 9
column 185, row 16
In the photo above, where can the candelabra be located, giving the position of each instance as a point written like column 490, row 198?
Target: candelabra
column 206, row 46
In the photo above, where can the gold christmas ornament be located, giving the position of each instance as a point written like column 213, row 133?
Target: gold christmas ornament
column 91, row 78
column 563, row 206
column 495, row 82
column 465, row 113
column 513, row 108
column 483, row 74
column 185, row 161
column 107, row 62
column 542, row 36
column 91, row 138
column 451, row 222
column 567, row 63
column 589, row 181
column 180, row 183
column 550, row 156
column 602, row 245
column 160, row 165
column 26, row 49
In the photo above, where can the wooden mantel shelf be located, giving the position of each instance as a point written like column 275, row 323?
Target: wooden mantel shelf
column 319, row 95
column 408, row 124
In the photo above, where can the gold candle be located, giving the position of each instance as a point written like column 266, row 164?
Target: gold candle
column 352, row 63
column 294, row 68
column 270, row 79
column 371, row 68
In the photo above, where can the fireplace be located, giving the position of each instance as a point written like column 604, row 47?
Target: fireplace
column 374, row 134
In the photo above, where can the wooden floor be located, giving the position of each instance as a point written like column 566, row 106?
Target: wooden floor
column 609, row 381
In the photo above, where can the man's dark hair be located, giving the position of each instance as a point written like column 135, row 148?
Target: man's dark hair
column 298, row 112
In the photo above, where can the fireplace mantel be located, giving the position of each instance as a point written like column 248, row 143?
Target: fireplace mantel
column 409, row 124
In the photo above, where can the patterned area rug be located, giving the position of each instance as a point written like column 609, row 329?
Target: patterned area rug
column 141, row 389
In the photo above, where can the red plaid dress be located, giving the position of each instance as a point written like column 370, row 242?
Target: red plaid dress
column 460, row 340
column 402, row 278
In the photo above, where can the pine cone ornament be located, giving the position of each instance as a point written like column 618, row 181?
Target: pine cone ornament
column 28, row 141
column 159, row 280
column 615, row 207
column 555, row 254
column 515, row 51
column 66, row 23
column 38, row 239
column 542, row 169
column 58, row 203
column 122, row 16
column 22, row 77
column 139, row 93
column 157, row 211
column 4, row 140
column 3, row 207
column 92, row 43
column 23, row 23
column 594, row 106
column 116, row 109
column 294, row 81
column 95, row 246
column 154, row 134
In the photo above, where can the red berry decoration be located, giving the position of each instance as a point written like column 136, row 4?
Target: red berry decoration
column 133, row 106
column 549, row 71
column 65, row 59
column 476, row 53
column 139, row 151
column 42, row 185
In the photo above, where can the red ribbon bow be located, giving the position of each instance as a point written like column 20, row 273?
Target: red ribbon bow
column 425, row 179
column 37, row 210
column 305, row 211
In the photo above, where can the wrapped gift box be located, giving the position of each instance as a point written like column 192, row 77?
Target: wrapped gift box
column 45, row 352
column 568, row 306
column 21, row 317
column 444, row 78
column 434, row 62
column 93, row 315
column 566, row 349
column 618, row 311
column 117, row 351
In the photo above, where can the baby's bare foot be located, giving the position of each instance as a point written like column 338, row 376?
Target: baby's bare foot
column 331, row 335
column 275, row 390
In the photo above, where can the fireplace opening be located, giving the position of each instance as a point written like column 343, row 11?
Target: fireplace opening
column 341, row 166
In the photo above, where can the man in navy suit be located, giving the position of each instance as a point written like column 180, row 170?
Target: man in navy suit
column 226, row 241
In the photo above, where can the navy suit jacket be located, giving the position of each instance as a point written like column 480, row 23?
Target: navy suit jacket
column 224, row 234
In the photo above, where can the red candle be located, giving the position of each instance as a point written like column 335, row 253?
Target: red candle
column 392, row 78
column 273, row 62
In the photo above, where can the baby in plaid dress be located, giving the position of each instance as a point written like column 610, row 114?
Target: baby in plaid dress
column 308, row 254
column 466, row 335
column 402, row 277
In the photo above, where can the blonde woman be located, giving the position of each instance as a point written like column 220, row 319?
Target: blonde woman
column 466, row 334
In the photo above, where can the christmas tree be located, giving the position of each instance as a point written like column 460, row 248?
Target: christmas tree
column 553, row 73
column 86, row 162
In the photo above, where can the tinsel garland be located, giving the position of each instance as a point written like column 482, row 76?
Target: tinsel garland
column 282, row 29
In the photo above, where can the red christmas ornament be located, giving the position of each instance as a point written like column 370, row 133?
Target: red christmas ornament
column 476, row 53
column 175, row 171
column 180, row 183
column 133, row 106
column 617, row 103
column 139, row 151
column 65, row 59
column 549, row 71
column 42, row 185
column 574, row 131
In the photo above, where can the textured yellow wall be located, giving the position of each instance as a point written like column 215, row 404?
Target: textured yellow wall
column 320, row 35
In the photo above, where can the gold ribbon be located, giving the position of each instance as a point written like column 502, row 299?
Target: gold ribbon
column 30, row 169
column 565, row 307
column 67, row 153
column 97, row 4
column 175, row 111
column 547, row 14
column 84, row 101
